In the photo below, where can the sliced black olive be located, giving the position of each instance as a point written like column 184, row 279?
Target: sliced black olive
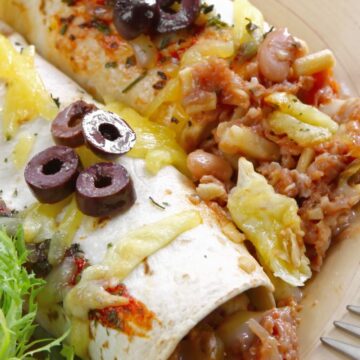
column 104, row 189
column 170, row 21
column 52, row 174
column 107, row 134
column 66, row 128
column 133, row 18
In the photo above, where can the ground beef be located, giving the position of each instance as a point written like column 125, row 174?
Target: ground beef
column 279, row 340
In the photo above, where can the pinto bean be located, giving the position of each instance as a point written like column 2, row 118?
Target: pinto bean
column 276, row 54
column 201, row 163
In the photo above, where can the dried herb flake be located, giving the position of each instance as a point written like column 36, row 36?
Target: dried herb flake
column 157, row 204
column 111, row 65
column 136, row 81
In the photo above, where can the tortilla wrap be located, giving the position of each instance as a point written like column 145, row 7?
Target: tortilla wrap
column 84, row 59
column 181, row 283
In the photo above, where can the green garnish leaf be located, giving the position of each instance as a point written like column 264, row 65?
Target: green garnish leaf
column 111, row 65
column 163, row 207
column 206, row 9
column 250, row 26
column 132, row 84
column 165, row 42
column 64, row 29
column 15, row 328
column 18, row 291
column 217, row 22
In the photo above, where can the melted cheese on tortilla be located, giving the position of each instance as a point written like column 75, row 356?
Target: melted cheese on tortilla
column 26, row 97
column 90, row 293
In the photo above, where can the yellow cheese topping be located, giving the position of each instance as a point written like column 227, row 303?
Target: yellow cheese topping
column 22, row 150
column 154, row 142
column 270, row 221
column 119, row 261
column 26, row 97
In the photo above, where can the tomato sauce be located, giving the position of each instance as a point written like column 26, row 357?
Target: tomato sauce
column 133, row 319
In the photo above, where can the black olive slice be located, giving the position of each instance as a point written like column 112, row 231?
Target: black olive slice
column 104, row 189
column 133, row 18
column 51, row 174
column 66, row 128
column 170, row 21
column 107, row 134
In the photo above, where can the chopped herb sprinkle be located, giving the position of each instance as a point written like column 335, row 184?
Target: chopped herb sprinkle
column 101, row 26
column 174, row 120
column 111, row 65
column 268, row 32
column 157, row 204
column 130, row 61
column 164, row 43
column 56, row 101
column 64, row 29
column 162, row 75
column 216, row 22
column 250, row 26
column 132, row 84
column 206, row 9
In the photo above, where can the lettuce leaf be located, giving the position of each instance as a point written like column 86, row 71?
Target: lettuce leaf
column 17, row 325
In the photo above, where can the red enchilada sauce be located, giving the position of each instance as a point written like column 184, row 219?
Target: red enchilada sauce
column 133, row 319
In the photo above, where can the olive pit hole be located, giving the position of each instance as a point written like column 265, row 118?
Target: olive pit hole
column 102, row 182
column 52, row 167
column 75, row 121
column 109, row 131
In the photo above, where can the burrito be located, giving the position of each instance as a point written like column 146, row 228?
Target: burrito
column 80, row 38
column 167, row 277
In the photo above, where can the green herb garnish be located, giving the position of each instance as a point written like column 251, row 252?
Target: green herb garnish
column 217, row 22
column 64, row 29
column 17, row 328
column 56, row 101
column 130, row 61
column 137, row 80
column 164, row 43
column 250, row 26
column 206, row 9
column 268, row 32
column 111, row 65
column 102, row 27
column 157, row 204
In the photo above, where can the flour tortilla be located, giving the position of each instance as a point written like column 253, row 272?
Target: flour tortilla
column 85, row 62
column 188, row 279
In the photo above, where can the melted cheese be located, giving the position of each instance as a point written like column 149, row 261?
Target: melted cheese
column 119, row 261
column 22, row 149
column 154, row 142
column 26, row 97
